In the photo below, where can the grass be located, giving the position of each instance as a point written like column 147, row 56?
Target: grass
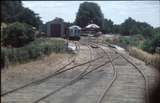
column 126, row 41
column 153, row 59
column 31, row 51
column 133, row 45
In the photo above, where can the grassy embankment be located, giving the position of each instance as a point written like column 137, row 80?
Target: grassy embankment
column 153, row 59
column 31, row 51
column 134, row 45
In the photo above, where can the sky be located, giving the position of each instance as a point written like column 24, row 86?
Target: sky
column 117, row 11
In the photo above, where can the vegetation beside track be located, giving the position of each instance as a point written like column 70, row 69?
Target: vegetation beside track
column 153, row 59
column 144, row 47
column 33, row 50
column 134, row 47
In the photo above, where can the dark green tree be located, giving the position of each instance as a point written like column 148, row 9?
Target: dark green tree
column 126, row 26
column 89, row 13
column 116, row 28
column 18, row 34
column 147, row 32
column 152, row 43
column 29, row 17
column 134, row 30
column 132, row 27
column 10, row 10
column 13, row 11
column 108, row 26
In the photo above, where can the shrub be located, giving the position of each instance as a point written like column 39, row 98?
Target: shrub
column 18, row 34
column 33, row 50
column 151, row 44
column 124, row 40
column 136, row 40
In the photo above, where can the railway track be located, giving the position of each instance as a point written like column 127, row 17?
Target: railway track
column 100, row 99
column 85, row 72
column 115, row 76
column 60, row 70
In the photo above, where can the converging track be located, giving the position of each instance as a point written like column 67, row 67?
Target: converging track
column 95, row 79
column 115, row 75
column 76, row 79
column 61, row 70
column 137, row 68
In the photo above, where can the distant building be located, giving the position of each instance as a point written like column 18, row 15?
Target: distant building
column 55, row 28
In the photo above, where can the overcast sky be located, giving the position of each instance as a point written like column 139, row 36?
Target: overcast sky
column 117, row 11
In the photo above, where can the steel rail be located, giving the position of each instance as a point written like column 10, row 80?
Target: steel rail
column 59, row 71
column 76, row 79
column 138, row 69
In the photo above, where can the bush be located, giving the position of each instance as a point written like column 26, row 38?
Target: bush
column 126, row 41
column 35, row 49
column 136, row 40
column 151, row 44
column 18, row 34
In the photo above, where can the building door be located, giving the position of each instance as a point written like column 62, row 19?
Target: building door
column 55, row 30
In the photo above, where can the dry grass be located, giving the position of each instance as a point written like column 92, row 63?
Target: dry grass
column 35, row 69
column 153, row 59
column 19, row 74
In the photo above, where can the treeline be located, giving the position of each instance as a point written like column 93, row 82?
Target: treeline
column 18, row 24
column 89, row 12
column 128, row 27
column 147, row 35
column 141, row 34
column 14, row 11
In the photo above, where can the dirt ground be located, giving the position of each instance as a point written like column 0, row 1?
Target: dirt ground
column 128, row 88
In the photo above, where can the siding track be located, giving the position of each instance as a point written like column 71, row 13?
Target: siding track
column 77, row 78
column 136, row 67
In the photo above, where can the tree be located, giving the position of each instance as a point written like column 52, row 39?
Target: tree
column 29, row 17
column 89, row 13
column 18, row 34
column 13, row 11
column 147, row 32
column 153, row 41
column 134, row 30
column 116, row 28
column 108, row 26
column 10, row 10
column 126, row 26
column 132, row 27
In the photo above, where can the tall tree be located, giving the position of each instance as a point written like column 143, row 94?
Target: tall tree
column 13, row 11
column 29, row 17
column 108, row 26
column 10, row 10
column 127, row 25
column 131, row 27
column 89, row 13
